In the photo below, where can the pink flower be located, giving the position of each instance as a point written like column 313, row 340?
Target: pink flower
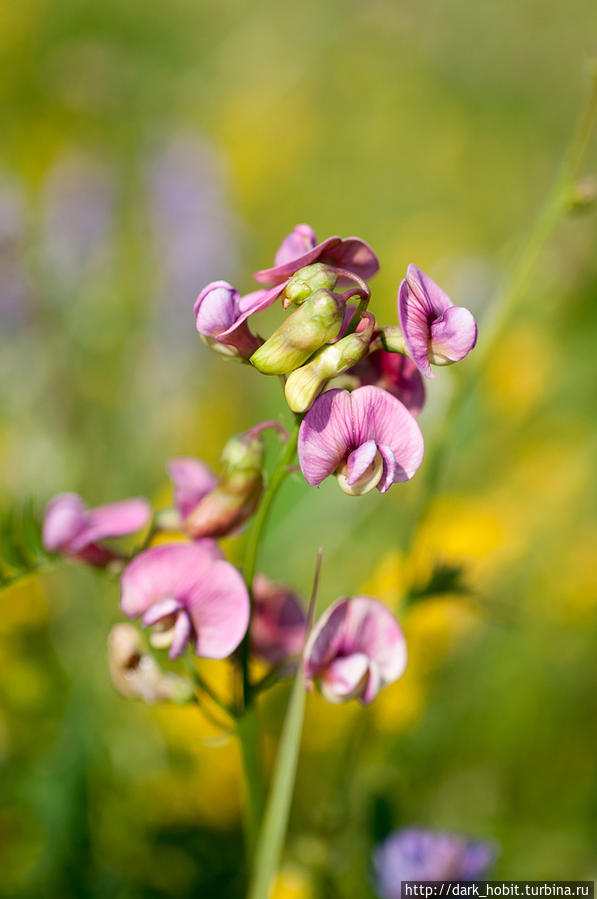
column 355, row 649
column 192, row 480
column 278, row 622
column 367, row 438
column 395, row 373
column 300, row 248
column 70, row 528
column 434, row 329
column 187, row 595
column 220, row 316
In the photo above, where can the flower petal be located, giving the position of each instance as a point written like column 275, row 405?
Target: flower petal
column 359, row 460
column 168, row 571
column 414, row 316
column 65, row 518
column 219, row 608
column 379, row 416
column 453, row 334
column 216, row 308
column 325, row 436
column 325, row 640
column 428, row 293
column 345, row 678
column 160, row 609
column 373, row 685
column 371, row 628
column 113, row 520
column 282, row 272
column 192, row 480
column 353, row 254
column 300, row 240
column 180, row 637
column 278, row 622
column 251, row 303
column 389, row 468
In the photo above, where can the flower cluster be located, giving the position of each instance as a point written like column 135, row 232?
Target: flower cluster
column 355, row 389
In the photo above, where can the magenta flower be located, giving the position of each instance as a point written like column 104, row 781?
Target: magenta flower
column 220, row 316
column 186, row 595
column 355, row 649
column 70, row 528
column 278, row 622
column 300, row 248
column 395, row 373
column 417, row 854
column 367, row 438
column 435, row 331
column 191, row 480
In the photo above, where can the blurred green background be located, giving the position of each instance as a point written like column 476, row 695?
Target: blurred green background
column 148, row 148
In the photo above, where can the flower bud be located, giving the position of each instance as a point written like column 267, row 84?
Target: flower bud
column 136, row 675
column 217, row 310
column 306, row 281
column 315, row 322
column 306, row 383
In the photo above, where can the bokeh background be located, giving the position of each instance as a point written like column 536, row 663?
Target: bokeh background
column 148, row 148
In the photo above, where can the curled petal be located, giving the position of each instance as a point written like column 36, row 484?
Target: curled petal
column 216, row 308
column 345, row 677
column 219, row 608
column 355, row 255
column 112, row 520
column 168, row 571
column 379, row 416
column 161, row 609
column 192, row 480
column 415, row 317
column 325, row 436
column 371, row 628
column 325, row 640
column 300, row 240
column 251, row 303
column 453, row 335
column 359, row 461
column 427, row 293
column 65, row 518
column 181, row 635
column 285, row 270
column 389, row 470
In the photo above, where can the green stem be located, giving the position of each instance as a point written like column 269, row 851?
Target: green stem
column 554, row 209
column 248, row 738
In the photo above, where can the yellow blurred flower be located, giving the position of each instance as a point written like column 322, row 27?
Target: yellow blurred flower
column 519, row 374
column 291, row 883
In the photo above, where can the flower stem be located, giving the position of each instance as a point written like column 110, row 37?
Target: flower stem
column 248, row 738
column 553, row 211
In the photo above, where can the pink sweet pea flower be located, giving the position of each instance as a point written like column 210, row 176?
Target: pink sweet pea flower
column 278, row 622
column 220, row 316
column 187, row 595
column 434, row 329
column 355, row 649
column 367, row 438
column 300, row 248
column 192, row 480
column 395, row 373
column 70, row 528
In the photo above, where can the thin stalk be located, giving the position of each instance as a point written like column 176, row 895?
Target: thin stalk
column 248, row 738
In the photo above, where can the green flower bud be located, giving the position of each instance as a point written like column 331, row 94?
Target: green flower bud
column 308, row 328
column 306, row 281
column 305, row 384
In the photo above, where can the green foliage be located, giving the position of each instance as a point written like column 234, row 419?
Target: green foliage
column 21, row 547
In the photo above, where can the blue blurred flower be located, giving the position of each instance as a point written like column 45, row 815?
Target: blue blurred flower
column 417, row 854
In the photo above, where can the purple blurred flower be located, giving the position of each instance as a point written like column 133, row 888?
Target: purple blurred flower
column 278, row 622
column 186, row 595
column 219, row 317
column 367, row 438
column 15, row 291
column 435, row 331
column 395, row 373
column 300, row 248
column 417, row 854
column 70, row 528
column 78, row 213
column 355, row 649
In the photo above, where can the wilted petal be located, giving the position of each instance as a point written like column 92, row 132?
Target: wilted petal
column 169, row 571
column 65, row 518
column 453, row 335
column 192, row 480
column 300, row 240
column 113, row 520
column 219, row 608
column 326, row 436
column 379, row 416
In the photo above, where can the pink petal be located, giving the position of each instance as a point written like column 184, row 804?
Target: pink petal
column 182, row 632
column 216, row 308
column 371, row 628
column 282, row 272
column 65, row 518
column 168, row 571
column 346, row 677
column 300, row 240
column 355, row 255
column 428, row 293
column 360, row 460
column 402, row 378
column 389, row 468
column 251, row 303
column 325, row 639
column 373, row 685
column 325, row 436
column 113, row 520
column 414, row 316
column 454, row 334
column 219, row 608
column 278, row 622
column 192, row 480
column 160, row 609
column 379, row 416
